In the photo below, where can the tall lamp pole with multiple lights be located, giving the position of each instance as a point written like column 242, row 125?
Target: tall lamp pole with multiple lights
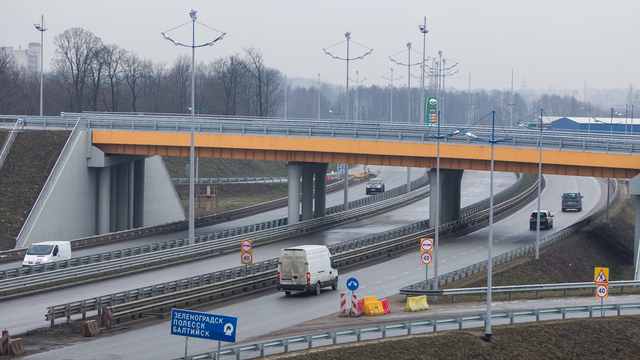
column 193, row 47
column 408, row 65
column 424, row 31
column 40, row 27
column 391, row 79
column 347, row 35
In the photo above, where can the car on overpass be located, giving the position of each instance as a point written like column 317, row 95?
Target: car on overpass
column 546, row 220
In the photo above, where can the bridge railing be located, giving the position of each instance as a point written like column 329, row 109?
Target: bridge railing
column 580, row 141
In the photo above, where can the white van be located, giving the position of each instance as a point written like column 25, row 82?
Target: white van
column 306, row 268
column 40, row 253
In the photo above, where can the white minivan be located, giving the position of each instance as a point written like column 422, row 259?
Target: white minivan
column 40, row 253
column 306, row 268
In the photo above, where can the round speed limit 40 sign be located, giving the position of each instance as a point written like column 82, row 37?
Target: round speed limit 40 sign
column 426, row 258
column 602, row 291
column 246, row 258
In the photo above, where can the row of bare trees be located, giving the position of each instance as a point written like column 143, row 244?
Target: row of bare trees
column 88, row 75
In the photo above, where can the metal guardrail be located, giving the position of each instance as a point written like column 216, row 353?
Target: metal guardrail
column 482, row 291
column 309, row 341
column 11, row 255
column 239, row 180
column 346, row 253
column 116, row 254
column 9, row 141
column 203, row 247
column 503, row 258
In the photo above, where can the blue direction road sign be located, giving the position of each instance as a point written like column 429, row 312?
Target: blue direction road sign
column 203, row 325
column 352, row 284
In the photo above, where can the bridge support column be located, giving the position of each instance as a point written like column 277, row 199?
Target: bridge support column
column 449, row 188
column 321, row 190
column 634, row 189
column 104, row 200
column 307, row 190
column 138, row 193
column 113, row 209
column 294, row 171
column 122, row 197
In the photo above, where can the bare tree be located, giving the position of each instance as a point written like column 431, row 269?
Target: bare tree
column 113, row 59
column 9, row 82
column 73, row 62
column 230, row 71
column 135, row 70
column 180, row 84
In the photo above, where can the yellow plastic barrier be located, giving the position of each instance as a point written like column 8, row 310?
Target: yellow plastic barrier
column 367, row 300
column 417, row 303
column 374, row 308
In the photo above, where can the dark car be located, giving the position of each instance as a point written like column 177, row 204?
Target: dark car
column 546, row 220
column 375, row 185
column 572, row 200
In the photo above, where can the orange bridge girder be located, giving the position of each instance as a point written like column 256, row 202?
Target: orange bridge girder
column 406, row 154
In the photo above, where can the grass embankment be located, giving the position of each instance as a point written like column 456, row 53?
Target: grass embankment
column 570, row 260
column 229, row 196
column 23, row 175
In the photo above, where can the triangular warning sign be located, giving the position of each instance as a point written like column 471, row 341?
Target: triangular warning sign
column 601, row 278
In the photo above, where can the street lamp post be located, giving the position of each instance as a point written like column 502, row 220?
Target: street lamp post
column 424, row 31
column 40, row 27
column 193, row 47
column 539, row 190
column 347, row 35
column 391, row 79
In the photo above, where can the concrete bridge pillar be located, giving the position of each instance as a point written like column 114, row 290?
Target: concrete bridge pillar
column 138, row 193
column 634, row 189
column 449, row 188
column 294, row 171
column 104, row 200
column 122, row 197
column 321, row 190
column 308, row 170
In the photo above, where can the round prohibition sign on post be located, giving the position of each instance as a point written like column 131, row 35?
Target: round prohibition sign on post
column 426, row 244
column 426, row 258
column 246, row 245
column 602, row 291
column 246, row 258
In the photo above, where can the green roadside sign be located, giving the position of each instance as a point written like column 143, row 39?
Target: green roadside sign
column 430, row 110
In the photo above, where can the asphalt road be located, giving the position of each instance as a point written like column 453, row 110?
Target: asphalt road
column 388, row 276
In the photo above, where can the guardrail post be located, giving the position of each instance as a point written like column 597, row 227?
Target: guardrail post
column 309, row 340
column 285, row 343
column 83, row 309
column 459, row 321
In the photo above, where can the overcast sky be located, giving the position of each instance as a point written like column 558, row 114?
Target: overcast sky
column 557, row 44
